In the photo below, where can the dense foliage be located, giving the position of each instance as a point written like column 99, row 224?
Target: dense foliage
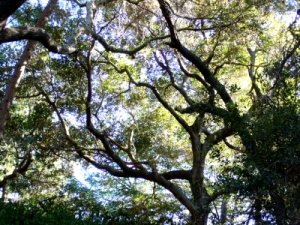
column 187, row 111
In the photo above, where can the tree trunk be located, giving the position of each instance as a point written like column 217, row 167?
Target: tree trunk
column 200, row 196
column 223, row 216
column 19, row 71
column 279, row 208
column 257, row 211
column 199, row 218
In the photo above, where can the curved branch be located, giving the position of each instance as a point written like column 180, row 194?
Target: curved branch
column 193, row 58
column 20, row 170
column 164, row 103
column 35, row 34
column 204, row 107
column 219, row 135
column 124, row 170
column 251, row 73
column 161, row 179
column 167, row 68
column 229, row 145
column 133, row 51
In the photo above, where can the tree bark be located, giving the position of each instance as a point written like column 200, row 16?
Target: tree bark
column 279, row 208
column 199, row 193
column 199, row 218
column 223, row 216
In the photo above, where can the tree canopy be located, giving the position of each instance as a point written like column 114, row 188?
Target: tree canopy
column 188, row 111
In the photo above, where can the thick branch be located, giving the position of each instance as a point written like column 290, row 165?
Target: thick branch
column 193, row 58
column 204, row 107
column 161, row 179
column 252, row 54
column 124, row 170
column 177, row 174
column 35, row 34
column 21, row 169
column 219, row 135
column 232, row 146
column 89, row 124
column 208, row 75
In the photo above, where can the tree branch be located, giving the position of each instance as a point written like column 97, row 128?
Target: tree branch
column 257, row 90
column 133, row 51
column 165, row 104
column 19, row 69
column 219, row 135
column 167, row 68
column 124, row 170
column 232, row 146
column 21, row 169
column 178, row 174
column 34, row 34
column 204, row 107
column 189, row 55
